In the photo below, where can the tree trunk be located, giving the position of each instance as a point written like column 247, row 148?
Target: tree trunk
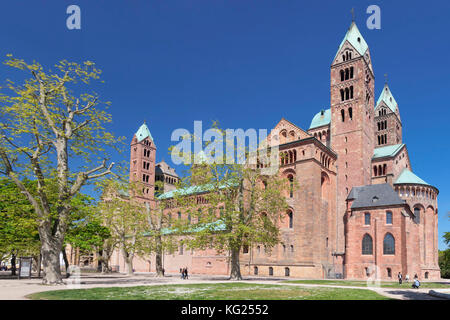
column 235, row 273
column 13, row 264
column 50, row 260
column 105, row 261
column 158, row 258
column 66, row 261
column 128, row 261
column 99, row 260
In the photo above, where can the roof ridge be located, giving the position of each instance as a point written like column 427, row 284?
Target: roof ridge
column 387, row 97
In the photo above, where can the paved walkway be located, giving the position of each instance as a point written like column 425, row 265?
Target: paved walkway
column 13, row 289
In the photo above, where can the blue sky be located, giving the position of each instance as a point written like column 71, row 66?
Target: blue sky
column 246, row 63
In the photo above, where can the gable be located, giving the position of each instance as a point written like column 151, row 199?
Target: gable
column 285, row 131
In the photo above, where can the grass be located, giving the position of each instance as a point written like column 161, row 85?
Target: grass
column 217, row 291
column 384, row 284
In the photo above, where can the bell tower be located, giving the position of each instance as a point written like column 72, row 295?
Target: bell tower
column 142, row 164
column 352, row 118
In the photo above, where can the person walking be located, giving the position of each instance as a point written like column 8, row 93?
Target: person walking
column 186, row 273
column 182, row 273
column 399, row 278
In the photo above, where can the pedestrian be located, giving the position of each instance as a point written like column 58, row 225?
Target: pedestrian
column 407, row 278
column 163, row 272
column 399, row 278
column 182, row 273
column 416, row 283
column 186, row 273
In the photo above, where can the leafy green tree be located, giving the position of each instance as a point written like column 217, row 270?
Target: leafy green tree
column 47, row 121
column 159, row 235
column 231, row 205
column 444, row 257
column 126, row 218
column 19, row 233
column 89, row 235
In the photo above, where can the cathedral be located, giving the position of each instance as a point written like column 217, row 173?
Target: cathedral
column 359, row 209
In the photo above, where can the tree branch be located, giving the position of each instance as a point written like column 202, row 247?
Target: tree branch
column 82, row 177
column 42, row 96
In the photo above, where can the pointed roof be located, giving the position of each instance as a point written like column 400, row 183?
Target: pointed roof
column 321, row 118
column 354, row 37
column 143, row 132
column 387, row 97
column 408, row 177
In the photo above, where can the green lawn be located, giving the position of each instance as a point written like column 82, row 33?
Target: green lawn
column 218, row 291
column 384, row 284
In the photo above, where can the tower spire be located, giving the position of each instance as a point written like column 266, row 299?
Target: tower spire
column 385, row 78
column 353, row 14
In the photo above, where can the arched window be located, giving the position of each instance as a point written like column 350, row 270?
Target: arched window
column 347, row 94
column 367, row 245
column 389, row 272
column 347, row 74
column 351, row 92
column 350, row 113
column 291, row 220
column 343, row 115
column 270, row 271
column 286, row 272
column 367, row 218
column 426, row 275
column 375, row 171
column 342, row 75
column 342, row 95
column 389, row 244
column 388, row 217
column 417, row 215
column 255, row 270
column 351, row 72
column 291, row 186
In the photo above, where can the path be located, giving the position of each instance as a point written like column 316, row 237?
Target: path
column 12, row 289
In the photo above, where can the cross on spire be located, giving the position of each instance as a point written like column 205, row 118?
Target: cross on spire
column 385, row 78
column 353, row 14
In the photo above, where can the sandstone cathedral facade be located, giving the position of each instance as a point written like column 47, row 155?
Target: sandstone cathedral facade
column 358, row 206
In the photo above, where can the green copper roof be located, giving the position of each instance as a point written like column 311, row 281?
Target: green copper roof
column 356, row 40
column 387, row 151
column 408, row 177
column 143, row 133
column 215, row 226
column 193, row 190
column 387, row 97
column 322, row 118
